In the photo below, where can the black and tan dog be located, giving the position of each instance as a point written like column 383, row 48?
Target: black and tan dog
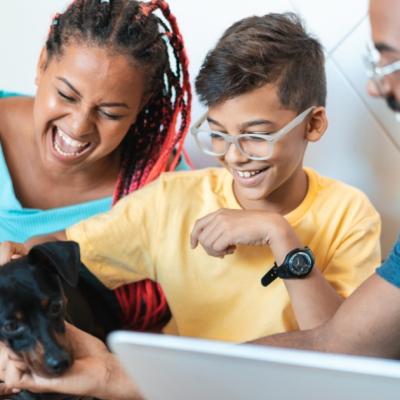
column 38, row 292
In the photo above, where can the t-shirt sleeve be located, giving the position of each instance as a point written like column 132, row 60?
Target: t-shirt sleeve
column 390, row 269
column 116, row 246
column 357, row 254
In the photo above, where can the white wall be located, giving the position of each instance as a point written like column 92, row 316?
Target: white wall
column 358, row 147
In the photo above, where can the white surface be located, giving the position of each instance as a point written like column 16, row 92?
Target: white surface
column 357, row 147
column 173, row 368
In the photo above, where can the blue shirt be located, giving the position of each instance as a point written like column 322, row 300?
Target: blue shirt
column 18, row 224
column 390, row 269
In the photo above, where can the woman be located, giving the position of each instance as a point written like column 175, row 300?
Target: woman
column 109, row 112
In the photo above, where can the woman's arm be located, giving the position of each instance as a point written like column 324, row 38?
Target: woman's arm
column 60, row 235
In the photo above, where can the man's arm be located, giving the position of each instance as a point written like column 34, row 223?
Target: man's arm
column 95, row 372
column 367, row 323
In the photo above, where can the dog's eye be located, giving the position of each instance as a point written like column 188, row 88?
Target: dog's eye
column 12, row 327
column 55, row 308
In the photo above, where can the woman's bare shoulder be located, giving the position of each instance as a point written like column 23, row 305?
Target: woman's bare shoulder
column 14, row 113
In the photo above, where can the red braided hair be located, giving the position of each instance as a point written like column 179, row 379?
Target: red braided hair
column 133, row 28
column 143, row 303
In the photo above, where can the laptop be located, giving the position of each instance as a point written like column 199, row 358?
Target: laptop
column 177, row 368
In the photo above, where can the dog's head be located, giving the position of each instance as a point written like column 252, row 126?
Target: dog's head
column 33, row 305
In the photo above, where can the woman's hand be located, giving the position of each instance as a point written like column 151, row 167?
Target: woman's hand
column 220, row 232
column 11, row 250
column 95, row 372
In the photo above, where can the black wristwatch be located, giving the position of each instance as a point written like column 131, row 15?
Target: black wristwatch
column 297, row 264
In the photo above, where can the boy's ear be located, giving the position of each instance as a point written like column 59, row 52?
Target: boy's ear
column 317, row 124
column 41, row 65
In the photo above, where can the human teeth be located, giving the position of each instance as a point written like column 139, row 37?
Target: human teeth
column 68, row 140
column 247, row 174
column 66, row 146
column 63, row 152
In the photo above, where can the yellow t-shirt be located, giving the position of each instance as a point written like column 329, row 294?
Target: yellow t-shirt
column 147, row 235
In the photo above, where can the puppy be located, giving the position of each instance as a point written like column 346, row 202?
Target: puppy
column 38, row 292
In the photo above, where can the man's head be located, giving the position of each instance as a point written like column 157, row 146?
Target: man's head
column 262, row 74
column 385, row 26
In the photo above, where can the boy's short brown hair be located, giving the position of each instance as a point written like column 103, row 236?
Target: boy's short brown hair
column 254, row 51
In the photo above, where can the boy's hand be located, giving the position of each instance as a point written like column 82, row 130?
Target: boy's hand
column 221, row 231
column 11, row 250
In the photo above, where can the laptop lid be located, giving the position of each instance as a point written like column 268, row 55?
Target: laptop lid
column 176, row 368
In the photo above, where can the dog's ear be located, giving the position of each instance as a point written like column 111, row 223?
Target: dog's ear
column 61, row 257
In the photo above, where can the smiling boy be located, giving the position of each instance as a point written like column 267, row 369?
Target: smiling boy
column 311, row 239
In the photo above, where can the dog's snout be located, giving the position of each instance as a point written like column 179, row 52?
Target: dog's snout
column 57, row 364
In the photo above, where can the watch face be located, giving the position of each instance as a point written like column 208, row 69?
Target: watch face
column 300, row 264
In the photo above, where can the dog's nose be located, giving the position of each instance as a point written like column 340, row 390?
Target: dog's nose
column 59, row 363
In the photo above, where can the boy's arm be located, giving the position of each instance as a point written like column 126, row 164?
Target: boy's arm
column 367, row 323
column 119, row 246
column 313, row 299
column 351, row 259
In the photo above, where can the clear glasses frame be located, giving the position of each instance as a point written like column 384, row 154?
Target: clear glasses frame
column 375, row 71
column 270, row 138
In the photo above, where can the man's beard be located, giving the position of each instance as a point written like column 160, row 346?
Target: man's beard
column 393, row 103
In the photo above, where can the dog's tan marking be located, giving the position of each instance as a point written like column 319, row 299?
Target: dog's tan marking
column 45, row 302
column 35, row 357
column 19, row 315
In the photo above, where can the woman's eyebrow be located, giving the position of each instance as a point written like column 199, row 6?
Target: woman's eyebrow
column 124, row 105
column 76, row 91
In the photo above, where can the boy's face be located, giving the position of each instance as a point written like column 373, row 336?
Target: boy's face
column 260, row 110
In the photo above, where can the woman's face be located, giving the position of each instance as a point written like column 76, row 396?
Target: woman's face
column 85, row 103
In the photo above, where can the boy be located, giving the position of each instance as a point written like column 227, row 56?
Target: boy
column 265, row 89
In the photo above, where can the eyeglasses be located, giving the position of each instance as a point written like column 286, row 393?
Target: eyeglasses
column 255, row 146
column 376, row 72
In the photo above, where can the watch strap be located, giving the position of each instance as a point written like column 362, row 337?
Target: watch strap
column 270, row 276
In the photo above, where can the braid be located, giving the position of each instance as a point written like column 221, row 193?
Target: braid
column 165, row 109
column 175, row 102
column 134, row 29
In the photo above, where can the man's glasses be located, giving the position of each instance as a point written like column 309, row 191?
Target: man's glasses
column 376, row 72
column 255, row 146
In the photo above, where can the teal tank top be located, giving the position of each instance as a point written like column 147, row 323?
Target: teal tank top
column 18, row 224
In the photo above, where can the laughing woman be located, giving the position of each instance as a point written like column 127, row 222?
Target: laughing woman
column 110, row 114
